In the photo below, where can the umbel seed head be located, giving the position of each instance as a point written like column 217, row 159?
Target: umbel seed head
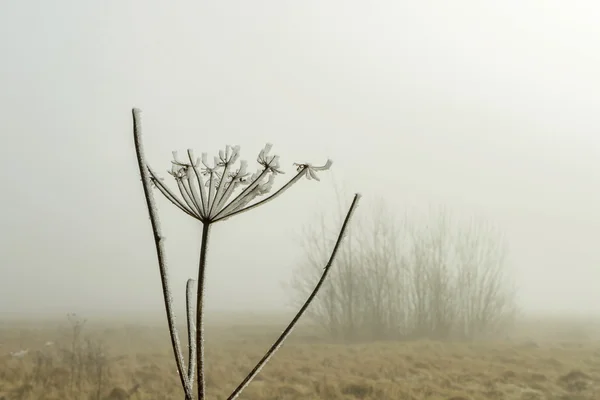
column 212, row 192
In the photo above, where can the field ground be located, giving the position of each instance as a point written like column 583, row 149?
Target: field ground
column 547, row 359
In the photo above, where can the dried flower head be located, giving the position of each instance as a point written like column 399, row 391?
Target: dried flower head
column 214, row 192
column 211, row 193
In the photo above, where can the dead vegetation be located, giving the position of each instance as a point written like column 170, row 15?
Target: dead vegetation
column 435, row 275
column 211, row 193
column 135, row 362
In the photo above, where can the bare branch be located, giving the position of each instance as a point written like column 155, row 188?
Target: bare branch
column 239, row 199
column 231, row 212
column 164, row 189
column 299, row 314
column 160, row 253
column 199, row 181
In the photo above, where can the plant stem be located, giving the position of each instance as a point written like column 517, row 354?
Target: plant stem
column 191, row 330
column 307, row 303
column 160, row 252
column 200, row 311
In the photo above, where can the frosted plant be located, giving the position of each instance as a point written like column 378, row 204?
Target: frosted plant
column 211, row 192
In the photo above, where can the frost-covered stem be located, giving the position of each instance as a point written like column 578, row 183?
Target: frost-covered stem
column 240, row 197
column 220, row 188
column 230, row 189
column 189, row 308
column 200, row 312
column 211, row 184
column 160, row 253
column 285, row 187
column 199, row 181
column 169, row 194
column 299, row 314
column 187, row 197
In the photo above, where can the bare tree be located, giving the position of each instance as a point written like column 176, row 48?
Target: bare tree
column 437, row 278
column 210, row 193
column 430, row 260
column 362, row 291
column 485, row 292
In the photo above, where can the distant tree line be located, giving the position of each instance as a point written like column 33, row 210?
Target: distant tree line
column 434, row 277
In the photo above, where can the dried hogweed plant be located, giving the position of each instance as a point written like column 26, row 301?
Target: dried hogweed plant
column 209, row 193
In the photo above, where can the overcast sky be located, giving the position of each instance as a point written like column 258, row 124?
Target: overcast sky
column 487, row 107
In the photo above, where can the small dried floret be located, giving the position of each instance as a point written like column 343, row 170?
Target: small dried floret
column 311, row 170
column 267, row 161
column 229, row 156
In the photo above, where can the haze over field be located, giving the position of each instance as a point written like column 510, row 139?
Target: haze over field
column 480, row 107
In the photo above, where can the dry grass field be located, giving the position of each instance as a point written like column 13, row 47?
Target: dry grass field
column 547, row 359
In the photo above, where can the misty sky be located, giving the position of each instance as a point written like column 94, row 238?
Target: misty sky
column 486, row 107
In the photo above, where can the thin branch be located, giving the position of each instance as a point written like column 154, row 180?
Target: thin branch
column 191, row 330
column 221, row 214
column 233, row 212
column 220, row 187
column 188, row 182
column 199, row 181
column 211, row 184
column 164, row 189
column 187, row 197
column 160, row 253
column 299, row 314
column 227, row 194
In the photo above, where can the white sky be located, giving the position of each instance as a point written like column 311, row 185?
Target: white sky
column 482, row 106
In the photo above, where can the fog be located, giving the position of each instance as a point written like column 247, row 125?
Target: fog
column 481, row 107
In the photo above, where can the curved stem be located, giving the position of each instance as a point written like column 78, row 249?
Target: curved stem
column 200, row 312
column 232, row 211
column 309, row 300
column 200, row 183
column 164, row 189
column 239, row 198
column 160, row 253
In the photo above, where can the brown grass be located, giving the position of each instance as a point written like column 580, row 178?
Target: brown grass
column 548, row 360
